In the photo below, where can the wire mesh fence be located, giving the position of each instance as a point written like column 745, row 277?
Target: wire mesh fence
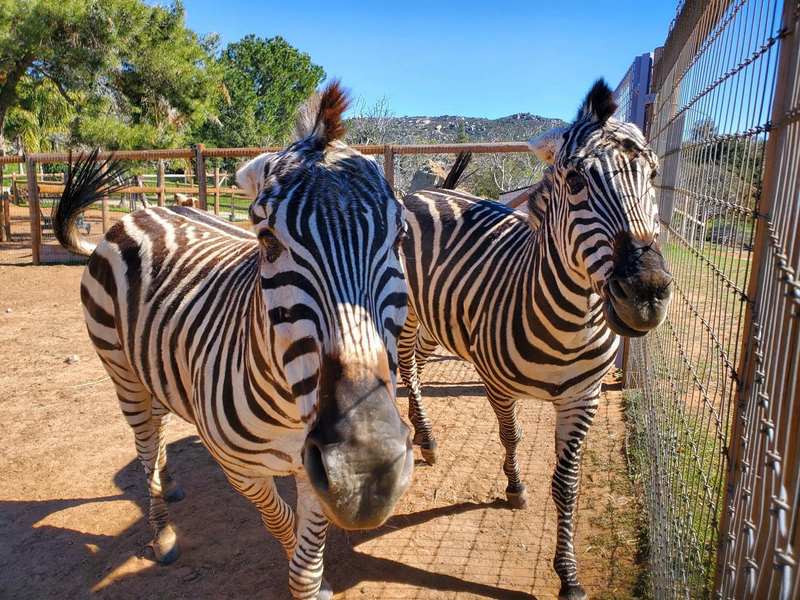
column 712, row 121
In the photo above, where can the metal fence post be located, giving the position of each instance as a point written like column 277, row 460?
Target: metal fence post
column 765, row 436
column 200, row 172
column 34, row 210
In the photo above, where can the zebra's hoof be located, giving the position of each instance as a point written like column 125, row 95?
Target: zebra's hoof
column 572, row 592
column 165, row 546
column 325, row 591
column 518, row 499
column 428, row 451
column 174, row 492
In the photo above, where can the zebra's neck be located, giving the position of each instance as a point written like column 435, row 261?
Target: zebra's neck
column 264, row 380
column 561, row 288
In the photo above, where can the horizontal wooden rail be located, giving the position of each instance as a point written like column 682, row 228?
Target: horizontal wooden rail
column 57, row 188
column 250, row 151
column 198, row 156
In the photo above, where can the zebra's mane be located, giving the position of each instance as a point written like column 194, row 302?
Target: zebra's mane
column 319, row 120
column 599, row 104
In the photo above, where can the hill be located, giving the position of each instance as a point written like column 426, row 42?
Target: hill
column 446, row 129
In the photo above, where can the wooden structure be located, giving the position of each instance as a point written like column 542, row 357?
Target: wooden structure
column 30, row 190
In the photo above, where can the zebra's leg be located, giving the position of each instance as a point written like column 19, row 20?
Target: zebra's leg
column 146, row 418
column 305, row 567
column 410, row 371
column 510, row 435
column 573, row 418
column 277, row 516
column 173, row 492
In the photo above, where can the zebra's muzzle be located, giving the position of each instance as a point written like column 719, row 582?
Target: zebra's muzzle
column 633, row 306
column 638, row 291
column 358, row 456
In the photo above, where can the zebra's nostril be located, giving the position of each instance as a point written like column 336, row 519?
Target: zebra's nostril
column 315, row 466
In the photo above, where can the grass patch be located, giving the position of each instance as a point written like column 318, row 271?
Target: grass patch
column 676, row 459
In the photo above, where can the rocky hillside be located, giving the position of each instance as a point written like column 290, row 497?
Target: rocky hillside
column 447, row 129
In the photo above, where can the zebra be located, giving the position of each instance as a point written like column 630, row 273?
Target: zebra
column 536, row 303
column 279, row 345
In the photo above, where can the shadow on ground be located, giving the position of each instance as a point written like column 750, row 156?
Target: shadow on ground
column 225, row 550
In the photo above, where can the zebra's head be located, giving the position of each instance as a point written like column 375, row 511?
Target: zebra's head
column 604, row 216
column 336, row 298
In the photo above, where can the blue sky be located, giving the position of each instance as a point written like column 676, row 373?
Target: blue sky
column 480, row 59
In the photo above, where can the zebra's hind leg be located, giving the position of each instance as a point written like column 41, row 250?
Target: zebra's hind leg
column 573, row 419
column 409, row 353
column 510, row 435
column 146, row 418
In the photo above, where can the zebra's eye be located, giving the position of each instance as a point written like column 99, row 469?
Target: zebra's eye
column 575, row 182
column 270, row 245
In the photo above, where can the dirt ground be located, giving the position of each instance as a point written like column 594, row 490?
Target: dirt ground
column 73, row 499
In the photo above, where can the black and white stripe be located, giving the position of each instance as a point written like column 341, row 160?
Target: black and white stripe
column 524, row 299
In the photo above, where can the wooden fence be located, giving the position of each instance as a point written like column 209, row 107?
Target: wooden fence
column 199, row 155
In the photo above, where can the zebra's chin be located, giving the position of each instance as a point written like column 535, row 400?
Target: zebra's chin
column 617, row 325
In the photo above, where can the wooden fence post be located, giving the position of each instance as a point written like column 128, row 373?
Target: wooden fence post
column 160, row 183
column 7, row 215
column 388, row 165
column 105, row 213
column 216, row 190
column 3, row 207
column 34, row 211
column 200, row 172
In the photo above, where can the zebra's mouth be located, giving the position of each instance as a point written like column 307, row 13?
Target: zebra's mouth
column 616, row 324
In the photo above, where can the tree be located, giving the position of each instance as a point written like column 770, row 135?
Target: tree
column 370, row 124
column 132, row 74
column 265, row 82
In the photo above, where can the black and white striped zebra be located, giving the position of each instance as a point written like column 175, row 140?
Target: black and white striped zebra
column 280, row 346
column 535, row 304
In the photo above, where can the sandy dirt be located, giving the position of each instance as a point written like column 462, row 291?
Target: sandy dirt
column 73, row 499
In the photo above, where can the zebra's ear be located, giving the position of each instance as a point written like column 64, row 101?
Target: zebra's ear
column 251, row 176
column 546, row 145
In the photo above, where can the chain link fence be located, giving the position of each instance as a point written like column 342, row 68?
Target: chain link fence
column 709, row 394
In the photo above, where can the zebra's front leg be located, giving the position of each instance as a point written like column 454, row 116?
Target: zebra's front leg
column 573, row 419
column 510, row 435
column 305, row 566
column 410, row 355
column 277, row 516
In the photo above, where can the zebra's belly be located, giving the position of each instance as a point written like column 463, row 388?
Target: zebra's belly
column 528, row 372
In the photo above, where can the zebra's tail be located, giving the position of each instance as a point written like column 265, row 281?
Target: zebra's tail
column 456, row 171
column 88, row 180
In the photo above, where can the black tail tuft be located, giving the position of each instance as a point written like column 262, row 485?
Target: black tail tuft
column 88, row 180
column 456, row 171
